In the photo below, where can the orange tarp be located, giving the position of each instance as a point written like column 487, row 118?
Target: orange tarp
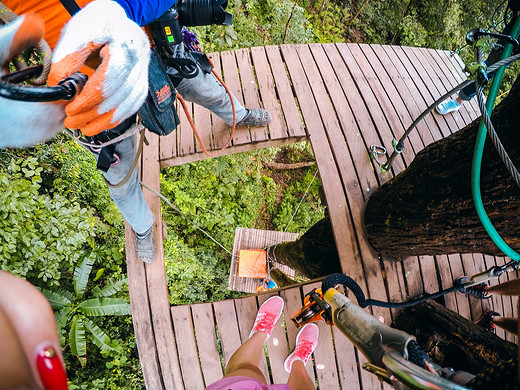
column 252, row 263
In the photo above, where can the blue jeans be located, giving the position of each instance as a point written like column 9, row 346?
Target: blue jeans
column 205, row 90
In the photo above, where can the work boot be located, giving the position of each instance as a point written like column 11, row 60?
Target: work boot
column 145, row 246
column 268, row 315
column 255, row 117
column 306, row 342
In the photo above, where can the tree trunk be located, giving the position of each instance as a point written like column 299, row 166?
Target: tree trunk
column 451, row 340
column 428, row 208
column 313, row 255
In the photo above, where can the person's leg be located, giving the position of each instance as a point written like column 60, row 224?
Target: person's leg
column 205, row 90
column 129, row 199
column 306, row 342
column 299, row 378
column 246, row 359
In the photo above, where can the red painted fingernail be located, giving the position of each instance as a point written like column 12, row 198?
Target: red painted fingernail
column 52, row 373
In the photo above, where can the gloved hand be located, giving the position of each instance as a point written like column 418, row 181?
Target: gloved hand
column 119, row 86
column 24, row 123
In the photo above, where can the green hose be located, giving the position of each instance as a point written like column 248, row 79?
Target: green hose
column 479, row 150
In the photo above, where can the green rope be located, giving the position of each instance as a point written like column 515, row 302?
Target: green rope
column 479, row 150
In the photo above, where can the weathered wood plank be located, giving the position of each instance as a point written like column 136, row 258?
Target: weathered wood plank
column 348, row 368
column 293, row 302
column 204, row 323
column 443, row 267
column 203, row 125
column 428, row 89
column 221, row 130
column 336, row 202
column 285, row 94
column 459, row 77
column 475, row 305
column 186, row 344
column 324, row 360
column 156, row 275
column 357, row 121
column 443, row 82
column 247, row 309
column 456, row 272
column 266, row 85
column 168, row 144
column 186, row 144
column 232, row 80
column 405, row 88
column 276, row 347
column 388, row 129
column 250, row 91
column 323, row 82
column 229, row 333
column 429, row 274
column 141, row 316
column 402, row 101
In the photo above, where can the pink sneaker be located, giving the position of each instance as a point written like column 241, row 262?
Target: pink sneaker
column 267, row 316
column 306, row 342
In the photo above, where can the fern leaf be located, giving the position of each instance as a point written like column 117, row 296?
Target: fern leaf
column 99, row 337
column 81, row 275
column 105, row 307
column 77, row 340
column 57, row 300
column 111, row 289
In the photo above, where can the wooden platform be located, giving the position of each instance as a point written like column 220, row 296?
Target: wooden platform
column 342, row 98
column 255, row 239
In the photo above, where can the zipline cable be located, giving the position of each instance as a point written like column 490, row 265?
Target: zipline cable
column 479, row 150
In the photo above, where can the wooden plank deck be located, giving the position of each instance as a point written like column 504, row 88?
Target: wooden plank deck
column 342, row 98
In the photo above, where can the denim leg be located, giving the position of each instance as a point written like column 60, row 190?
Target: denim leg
column 129, row 197
column 467, row 93
column 205, row 90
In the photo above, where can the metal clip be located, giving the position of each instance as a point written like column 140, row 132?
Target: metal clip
column 375, row 152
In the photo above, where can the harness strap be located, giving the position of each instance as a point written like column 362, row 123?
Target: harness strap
column 71, row 6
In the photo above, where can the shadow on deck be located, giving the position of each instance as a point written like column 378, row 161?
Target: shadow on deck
column 342, row 98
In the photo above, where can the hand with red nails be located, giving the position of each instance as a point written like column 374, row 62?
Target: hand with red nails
column 24, row 123
column 119, row 50
column 31, row 357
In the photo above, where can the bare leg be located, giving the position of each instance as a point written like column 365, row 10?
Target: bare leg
column 299, row 379
column 246, row 359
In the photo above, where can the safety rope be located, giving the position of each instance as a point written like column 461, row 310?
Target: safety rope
column 504, row 156
column 42, row 49
column 190, row 120
column 301, row 201
column 469, row 286
column 184, row 216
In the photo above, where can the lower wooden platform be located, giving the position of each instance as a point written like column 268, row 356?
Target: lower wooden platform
column 342, row 98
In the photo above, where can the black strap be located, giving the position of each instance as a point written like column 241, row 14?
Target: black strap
column 71, row 6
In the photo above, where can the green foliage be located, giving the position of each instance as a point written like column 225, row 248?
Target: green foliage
column 41, row 234
column 196, row 274
column 74, row 312
column 328, row 21
column 219, row 195
column 257, row 23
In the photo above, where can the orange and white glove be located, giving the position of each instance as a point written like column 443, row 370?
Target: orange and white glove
column 101, row 33
column 25, row 123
